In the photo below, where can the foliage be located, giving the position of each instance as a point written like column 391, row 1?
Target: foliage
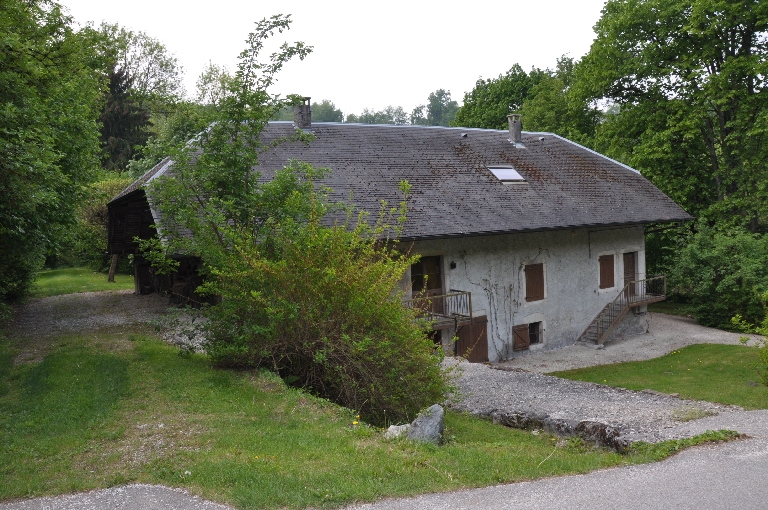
column 761, row 345
column 552, row 106
column 124, row 123
column 654, row 452
column 689, row 80
column 321, row 306
column 324, row 111
column 490, row 101
column 157, row 75
column 708, row 372
column 314, row 302
column 49, row 138
column 85, row 242
column 441, row 110
column 722, row 273
column 389, row 115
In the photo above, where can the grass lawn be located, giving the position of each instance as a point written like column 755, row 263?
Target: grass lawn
column 712, row 372
column 682, row 309
column 110, row 408
column 70, row 281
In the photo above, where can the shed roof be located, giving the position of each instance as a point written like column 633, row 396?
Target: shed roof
column 453, row 191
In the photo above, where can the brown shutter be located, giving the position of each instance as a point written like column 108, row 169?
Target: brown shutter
column 606, row 271
column 534, row 282
column 522, row 340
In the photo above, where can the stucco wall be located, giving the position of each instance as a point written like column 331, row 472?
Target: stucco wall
column 492, row 269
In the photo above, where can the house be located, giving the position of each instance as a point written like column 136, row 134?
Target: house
column 528, row 240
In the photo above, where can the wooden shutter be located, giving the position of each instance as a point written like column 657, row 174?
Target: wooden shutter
column 606, row 271
column 522, row 340
column 534, row 282
column 630, row 273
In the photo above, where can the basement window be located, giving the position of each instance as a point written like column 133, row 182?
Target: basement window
column 507, row 175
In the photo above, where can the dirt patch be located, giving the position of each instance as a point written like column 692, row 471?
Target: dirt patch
column 36, row 323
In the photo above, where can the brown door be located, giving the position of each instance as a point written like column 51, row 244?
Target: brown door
column 473, row 340
column 630, row 272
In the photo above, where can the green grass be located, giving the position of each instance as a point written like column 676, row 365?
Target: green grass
column 70, row 281
column 716, row 373
column 109, row 408
column 682, row 309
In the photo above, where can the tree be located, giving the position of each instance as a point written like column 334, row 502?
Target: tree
column 389, row 115
column 440, row 110
column 552, row 106
column 689, row 78
column 488, row 104
column 326, row 111
column 49, row 135
column 124, row 122
column 316, row 304
column 156, row 73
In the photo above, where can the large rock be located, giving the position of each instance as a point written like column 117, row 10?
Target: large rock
column 428, row 426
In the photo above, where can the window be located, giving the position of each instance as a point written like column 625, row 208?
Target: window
column 534, row 332
column 507, row 175
column 606, row 271
column 534, row 282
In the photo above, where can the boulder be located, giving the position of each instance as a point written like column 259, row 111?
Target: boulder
column 428, row 426
column 396, row 431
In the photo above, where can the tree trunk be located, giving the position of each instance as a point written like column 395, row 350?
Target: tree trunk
column 112, row 269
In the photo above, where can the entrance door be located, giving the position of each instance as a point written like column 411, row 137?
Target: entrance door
column 473, row 339
column 630, row 270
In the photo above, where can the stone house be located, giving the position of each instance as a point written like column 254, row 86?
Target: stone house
column 528, row 240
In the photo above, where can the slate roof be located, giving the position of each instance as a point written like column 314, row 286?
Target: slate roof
column 454, row 193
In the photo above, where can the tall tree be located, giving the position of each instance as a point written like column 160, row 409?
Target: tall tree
column 49, row 136
column 124, row 122
column 552, row 106
column 488, row 104
column 389, row 115
column 440, row 110
column 689, row 81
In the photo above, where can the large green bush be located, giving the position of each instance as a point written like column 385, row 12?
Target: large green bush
column 320, row 305
column 723, row 274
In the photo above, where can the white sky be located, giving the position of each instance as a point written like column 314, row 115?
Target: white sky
column 366, row 54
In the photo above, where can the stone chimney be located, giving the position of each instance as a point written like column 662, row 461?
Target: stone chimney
column 515, row 129
column 302, row 114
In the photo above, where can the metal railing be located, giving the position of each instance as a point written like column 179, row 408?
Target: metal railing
column 634, row 293
column 444, row 310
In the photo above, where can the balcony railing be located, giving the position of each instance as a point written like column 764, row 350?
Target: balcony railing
column 443, row 311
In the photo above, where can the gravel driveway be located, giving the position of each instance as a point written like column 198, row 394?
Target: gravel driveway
column 516, row 393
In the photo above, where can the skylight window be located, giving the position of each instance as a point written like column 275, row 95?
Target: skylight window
column 507, row 175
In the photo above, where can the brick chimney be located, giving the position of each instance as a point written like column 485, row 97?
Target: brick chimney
column 515, row 129
column 302, row 114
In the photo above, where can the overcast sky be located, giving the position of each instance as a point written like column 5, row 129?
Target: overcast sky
column 366, row 54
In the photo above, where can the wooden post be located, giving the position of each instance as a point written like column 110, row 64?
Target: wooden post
column 112, row 269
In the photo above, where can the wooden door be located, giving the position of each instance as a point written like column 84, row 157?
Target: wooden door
column 630, row 270
column 473, row 340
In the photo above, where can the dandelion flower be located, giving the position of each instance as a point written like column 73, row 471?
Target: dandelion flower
column 354, row 423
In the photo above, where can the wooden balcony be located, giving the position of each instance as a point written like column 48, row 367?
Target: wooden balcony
column 444, row 311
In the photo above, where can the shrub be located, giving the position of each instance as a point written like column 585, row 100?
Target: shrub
column 723, row 274
column 320, row 306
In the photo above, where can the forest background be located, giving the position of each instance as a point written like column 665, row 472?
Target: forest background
column 675, row 89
